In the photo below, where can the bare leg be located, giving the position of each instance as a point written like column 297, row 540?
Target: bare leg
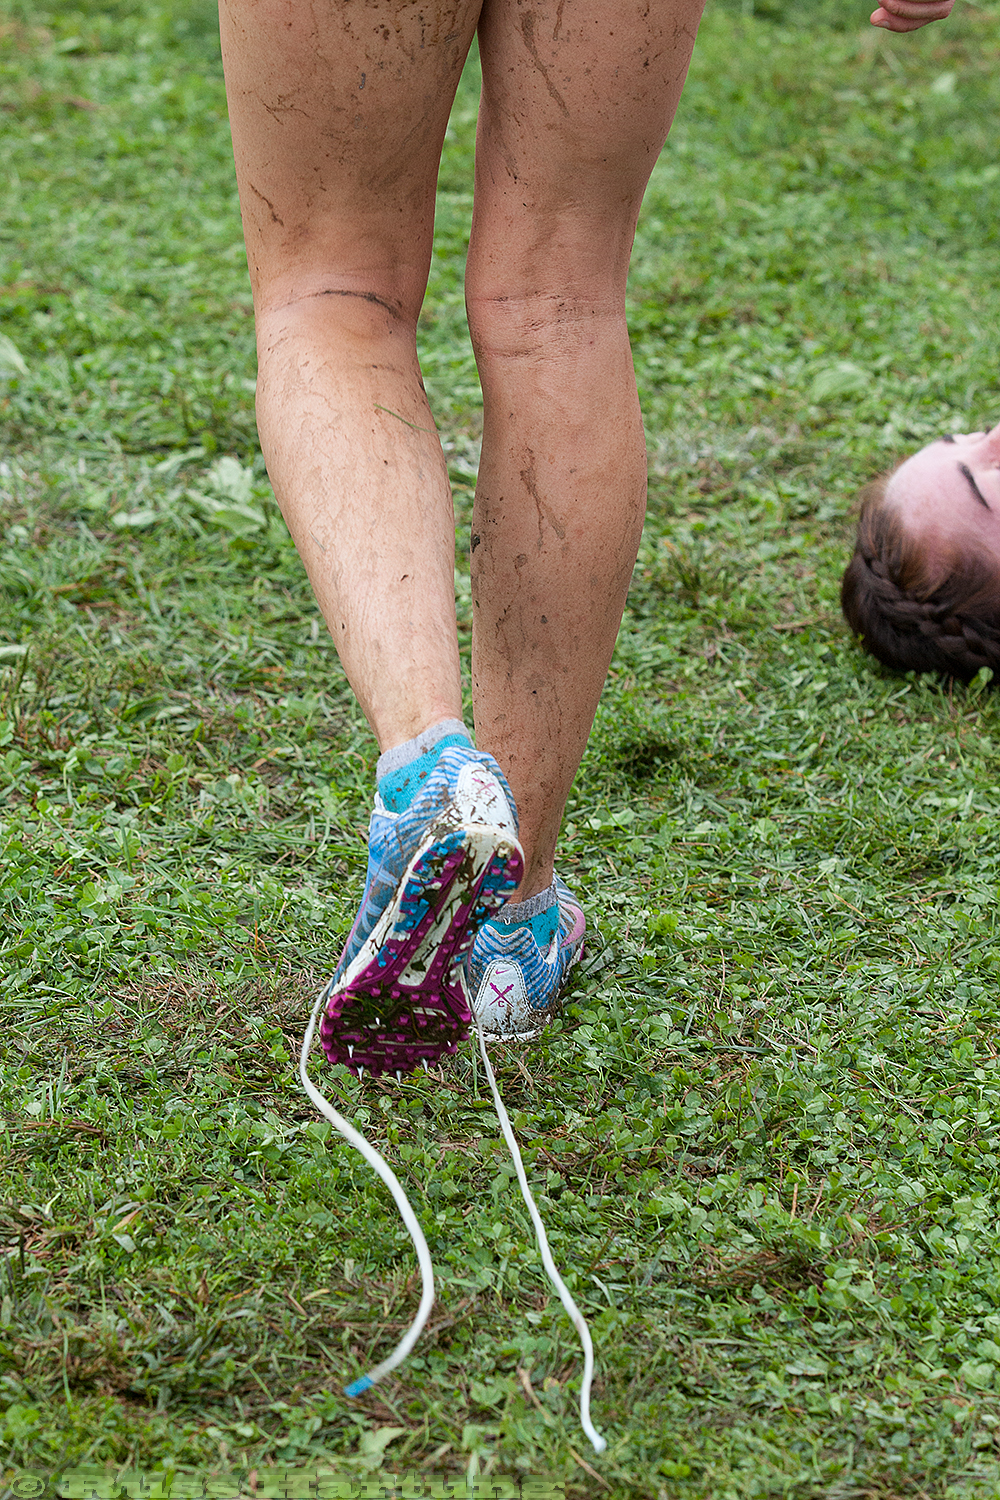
column 338, row 118
column 578, row 96
column 338, row 115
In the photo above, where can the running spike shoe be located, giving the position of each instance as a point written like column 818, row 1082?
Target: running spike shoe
column 435, row 873
column 516, row 987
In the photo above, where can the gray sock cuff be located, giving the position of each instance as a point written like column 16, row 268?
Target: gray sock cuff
column 523, row 911
column 401, row 755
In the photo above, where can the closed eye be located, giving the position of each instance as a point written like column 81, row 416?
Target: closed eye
column 964, row 469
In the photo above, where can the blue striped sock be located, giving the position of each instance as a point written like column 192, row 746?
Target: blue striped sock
column 402, row 771
column 540, row 913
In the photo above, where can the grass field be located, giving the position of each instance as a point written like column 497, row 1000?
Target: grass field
column 766, row 1133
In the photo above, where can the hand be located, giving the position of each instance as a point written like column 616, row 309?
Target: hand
column 909, row 15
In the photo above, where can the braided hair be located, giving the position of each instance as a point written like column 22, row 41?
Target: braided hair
column 915, row 613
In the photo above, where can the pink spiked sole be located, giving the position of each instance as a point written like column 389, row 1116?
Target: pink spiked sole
column 404, row 998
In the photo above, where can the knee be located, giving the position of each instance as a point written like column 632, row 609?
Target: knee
column 368, row 285
column 534, row 292
column 337, row 311
column 544, row 324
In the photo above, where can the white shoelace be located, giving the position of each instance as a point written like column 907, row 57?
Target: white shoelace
column 388, row 1176
column 392, row 1182
column 576, row 1316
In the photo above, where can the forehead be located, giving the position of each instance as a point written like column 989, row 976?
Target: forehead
column 932, row 467
column 935, row 497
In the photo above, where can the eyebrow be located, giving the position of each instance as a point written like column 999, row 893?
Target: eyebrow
column 964, row 469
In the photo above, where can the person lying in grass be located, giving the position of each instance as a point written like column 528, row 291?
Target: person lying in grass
column 922, row 590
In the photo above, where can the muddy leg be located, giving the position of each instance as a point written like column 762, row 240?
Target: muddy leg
column 578, row 96
column 338, row 115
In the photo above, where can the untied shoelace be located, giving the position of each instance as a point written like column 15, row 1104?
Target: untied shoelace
column 388, row 1176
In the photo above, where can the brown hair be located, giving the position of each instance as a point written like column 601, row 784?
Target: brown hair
column 915, row 612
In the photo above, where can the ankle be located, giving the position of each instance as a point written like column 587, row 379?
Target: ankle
column 536, row 882
column 402, row 770
column 540, row 912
